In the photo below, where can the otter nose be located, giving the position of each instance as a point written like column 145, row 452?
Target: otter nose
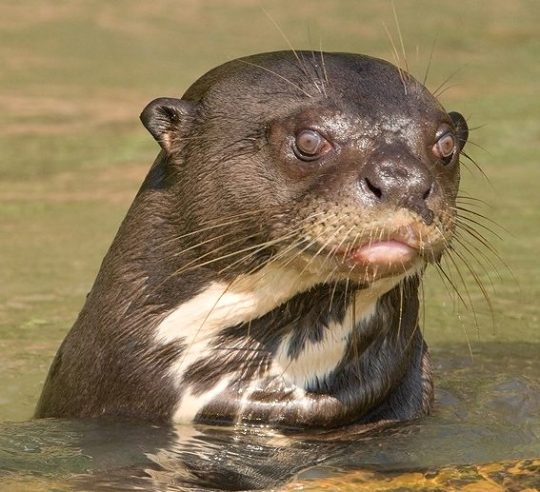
column 400, row 179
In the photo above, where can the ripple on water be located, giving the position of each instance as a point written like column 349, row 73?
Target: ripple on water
column 484, row 432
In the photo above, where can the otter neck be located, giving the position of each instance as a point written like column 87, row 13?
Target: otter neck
column 273, row 333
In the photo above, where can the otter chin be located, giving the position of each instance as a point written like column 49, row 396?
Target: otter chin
column 268, row 269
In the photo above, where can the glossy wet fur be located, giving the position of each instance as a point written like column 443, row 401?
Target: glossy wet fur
column 227, row 197
column 376, row 361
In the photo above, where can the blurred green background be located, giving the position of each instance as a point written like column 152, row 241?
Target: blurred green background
column 74, row 76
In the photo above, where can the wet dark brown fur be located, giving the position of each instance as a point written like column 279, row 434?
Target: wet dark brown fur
column 226, row 196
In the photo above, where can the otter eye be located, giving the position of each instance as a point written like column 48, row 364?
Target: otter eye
column 309, row 145
column 445, row 147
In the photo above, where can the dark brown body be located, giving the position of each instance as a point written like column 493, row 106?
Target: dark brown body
column 231, row 196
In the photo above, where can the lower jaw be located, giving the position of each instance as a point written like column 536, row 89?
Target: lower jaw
column 362, row 275
column 371, row 273
column 340, row 268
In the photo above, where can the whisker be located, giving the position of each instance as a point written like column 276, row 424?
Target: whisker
column 474, row 233
column 413, row 332
column 474, row 144
column 315, row 64
column 210, row 253
column 290, row 82
column 215, row 226
column 355, row 330
column 332, row 253
column 450, row 252
column 301, row 63
column 396, row 58
column 450, row 256
column 423, row 302
column 322, row 62
column 400, row 37
column 322, row 248
column 478, row 282
column 331, row 304
column 249, row 248
column 445, row 81
column 463, row 210
column 462, row 239
column 430, row 60
column 280, row 254
column 445, row 89
column 471, row 251
column 477, row 166
column 441, row 270
column 206, row 241
column 400, row 308
column 444, row 275
column 257, row 250
column 476, row 201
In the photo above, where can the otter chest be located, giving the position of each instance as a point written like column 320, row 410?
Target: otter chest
column 240, row 342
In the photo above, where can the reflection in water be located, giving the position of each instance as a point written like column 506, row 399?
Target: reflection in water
column 488, row 410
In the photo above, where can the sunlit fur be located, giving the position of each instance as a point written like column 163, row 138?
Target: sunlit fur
column 229, row 294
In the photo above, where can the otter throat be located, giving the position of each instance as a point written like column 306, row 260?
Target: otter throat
column 220, row 305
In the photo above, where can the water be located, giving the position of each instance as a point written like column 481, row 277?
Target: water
column 487, row 411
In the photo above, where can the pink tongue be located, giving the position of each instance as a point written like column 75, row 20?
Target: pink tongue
column 384, row 253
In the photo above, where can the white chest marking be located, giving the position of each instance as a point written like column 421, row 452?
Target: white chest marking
column 219, row 306
column 190, row 404
column 318, row 359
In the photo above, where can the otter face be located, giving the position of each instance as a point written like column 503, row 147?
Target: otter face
column 348, row 166
column 381, row 191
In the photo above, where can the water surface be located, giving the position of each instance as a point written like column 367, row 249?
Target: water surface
column 487, row 411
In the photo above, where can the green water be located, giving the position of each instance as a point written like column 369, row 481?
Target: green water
column 73, row 78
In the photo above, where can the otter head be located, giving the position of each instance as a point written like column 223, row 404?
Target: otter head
column 341, row 165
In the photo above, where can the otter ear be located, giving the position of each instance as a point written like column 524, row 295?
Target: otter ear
column 164, row 116
column 461, row 127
